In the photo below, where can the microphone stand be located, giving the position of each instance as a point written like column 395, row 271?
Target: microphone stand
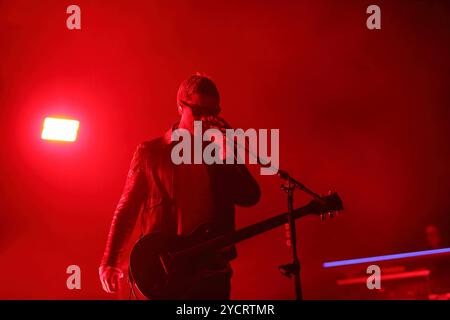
column 289, row 186
column 293, row 268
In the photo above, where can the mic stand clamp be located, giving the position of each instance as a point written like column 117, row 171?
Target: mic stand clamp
column 290, row 269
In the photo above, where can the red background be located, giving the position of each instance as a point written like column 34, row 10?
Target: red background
column 362, row 112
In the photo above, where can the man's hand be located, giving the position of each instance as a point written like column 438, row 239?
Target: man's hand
column 110, row 278
column 222, row 148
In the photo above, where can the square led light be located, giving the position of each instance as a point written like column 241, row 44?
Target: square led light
column 60, row 129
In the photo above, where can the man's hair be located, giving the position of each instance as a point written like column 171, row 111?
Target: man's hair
column 197, row 84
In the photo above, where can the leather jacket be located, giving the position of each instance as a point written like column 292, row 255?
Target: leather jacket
column 148, row 196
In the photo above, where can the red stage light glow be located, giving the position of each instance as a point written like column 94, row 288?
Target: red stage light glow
column 60, row 129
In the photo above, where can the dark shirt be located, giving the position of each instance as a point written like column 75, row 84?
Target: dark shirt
column 193, row 197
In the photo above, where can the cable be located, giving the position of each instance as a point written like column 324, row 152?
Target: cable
column 131, row 283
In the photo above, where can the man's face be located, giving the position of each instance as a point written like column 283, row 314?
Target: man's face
column 198, row 108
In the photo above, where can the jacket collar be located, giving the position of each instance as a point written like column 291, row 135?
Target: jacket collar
column 167, row 138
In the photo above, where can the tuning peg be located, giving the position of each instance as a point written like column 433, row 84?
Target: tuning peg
column 322, row 216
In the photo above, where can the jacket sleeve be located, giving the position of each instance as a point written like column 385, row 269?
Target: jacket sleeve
column 246, row 191
column 127, row 210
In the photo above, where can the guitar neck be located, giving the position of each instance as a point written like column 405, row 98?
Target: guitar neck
column 245, row 233
column 263, row 226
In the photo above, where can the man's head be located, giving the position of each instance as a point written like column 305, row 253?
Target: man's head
column 433, row 236
column 197, row 97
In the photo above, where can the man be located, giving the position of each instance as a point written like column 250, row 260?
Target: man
column 434, row 237
column 439, row 278
column 179, row 198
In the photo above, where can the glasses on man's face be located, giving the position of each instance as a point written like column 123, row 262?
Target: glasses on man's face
column 199, row 111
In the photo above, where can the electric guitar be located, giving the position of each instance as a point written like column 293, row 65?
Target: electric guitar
column 164, row 266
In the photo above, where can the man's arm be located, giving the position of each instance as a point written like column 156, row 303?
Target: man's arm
column 246, row 191
column 124, row 219
column 244, row 188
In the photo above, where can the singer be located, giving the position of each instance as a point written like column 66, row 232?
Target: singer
column 178, row 199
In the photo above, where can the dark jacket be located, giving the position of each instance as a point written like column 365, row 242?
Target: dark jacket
column 149, row 190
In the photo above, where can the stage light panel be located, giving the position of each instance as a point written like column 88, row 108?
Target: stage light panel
column 60, row 129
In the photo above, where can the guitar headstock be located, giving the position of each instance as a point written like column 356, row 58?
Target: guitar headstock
column 327, row 206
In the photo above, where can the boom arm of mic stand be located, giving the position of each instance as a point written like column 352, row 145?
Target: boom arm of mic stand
column 298, row 185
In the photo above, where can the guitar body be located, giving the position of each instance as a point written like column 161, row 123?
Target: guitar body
column 158, row 272
column 164, row 266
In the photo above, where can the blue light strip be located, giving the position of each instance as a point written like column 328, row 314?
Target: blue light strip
column 385, row 258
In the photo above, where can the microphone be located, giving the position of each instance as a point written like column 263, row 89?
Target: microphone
column 221, row 124
column 217, row 123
